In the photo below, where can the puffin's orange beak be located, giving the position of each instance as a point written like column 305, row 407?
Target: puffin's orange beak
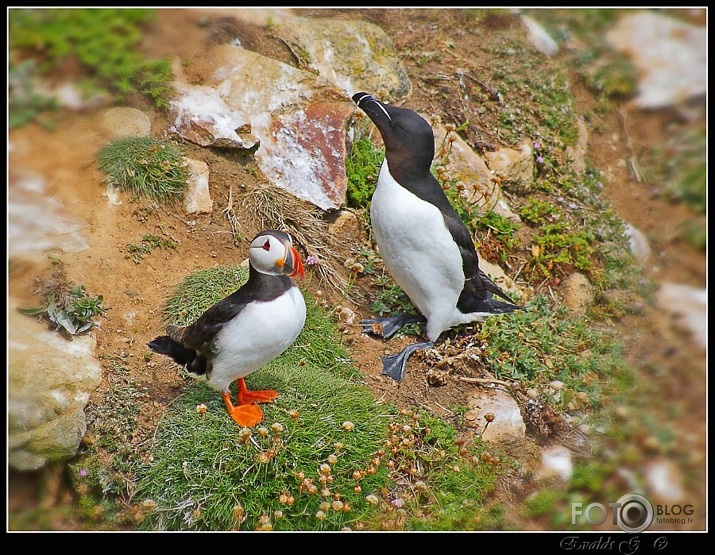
column 292, row 264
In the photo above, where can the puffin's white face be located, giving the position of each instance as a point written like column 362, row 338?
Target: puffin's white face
column 272, row 252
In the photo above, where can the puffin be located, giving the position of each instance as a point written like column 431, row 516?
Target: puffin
column 246, row 330
column 425, row 246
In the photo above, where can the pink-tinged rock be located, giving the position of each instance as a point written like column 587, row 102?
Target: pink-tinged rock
column 300, row 118
column 307, row 148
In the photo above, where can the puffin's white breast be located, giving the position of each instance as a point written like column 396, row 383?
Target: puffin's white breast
column 418, row 250
column 260, row 332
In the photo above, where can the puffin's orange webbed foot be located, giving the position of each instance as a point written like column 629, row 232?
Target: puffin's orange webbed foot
column 247, row 415
column 244, row 396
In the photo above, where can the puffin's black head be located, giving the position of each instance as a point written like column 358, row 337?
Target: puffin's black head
column 272, row 252
column 407, row 136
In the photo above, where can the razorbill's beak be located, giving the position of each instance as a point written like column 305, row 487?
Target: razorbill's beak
column 291, row 265
column 373, row 108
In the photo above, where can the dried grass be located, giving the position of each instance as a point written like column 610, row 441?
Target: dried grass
column 276, row 208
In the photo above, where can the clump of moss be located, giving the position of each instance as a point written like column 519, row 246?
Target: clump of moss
column 145, row 167
column 362, row 168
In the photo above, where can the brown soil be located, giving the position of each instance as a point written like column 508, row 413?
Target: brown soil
column 134, row 293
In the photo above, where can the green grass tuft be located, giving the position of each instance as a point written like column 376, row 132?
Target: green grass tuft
column 145, row 167
column 102, row 41
column 204, row 472
column 362, row 168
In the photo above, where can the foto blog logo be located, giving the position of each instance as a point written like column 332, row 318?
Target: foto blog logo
column 631, row 513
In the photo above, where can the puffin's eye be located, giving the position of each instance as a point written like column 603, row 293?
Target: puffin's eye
column 267, row 245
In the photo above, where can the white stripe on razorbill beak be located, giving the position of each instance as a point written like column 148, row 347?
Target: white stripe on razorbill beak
column 369, row 98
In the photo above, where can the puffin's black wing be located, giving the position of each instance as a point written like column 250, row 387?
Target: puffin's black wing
column 202, row 332
column 259, row 287
column 190, row 346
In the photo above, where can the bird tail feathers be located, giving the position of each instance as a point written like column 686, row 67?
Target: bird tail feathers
column 165, row 345
column 494, row 306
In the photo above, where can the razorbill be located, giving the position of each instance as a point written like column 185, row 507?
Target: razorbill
column 423, row 243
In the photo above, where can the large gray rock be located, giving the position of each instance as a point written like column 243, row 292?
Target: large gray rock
column 50, row 379
column 670, row 55
column 296, row 117
column 354, row 55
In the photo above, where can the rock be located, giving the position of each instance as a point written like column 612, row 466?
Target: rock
column 299, row 118
column 669, row 54
column 354, row 55
column 125, row 122
column 38, row 222
column 556, row 385
column 347, row 227
column 50, row 380
column 556, row 464
column 296, row 117
column 508, row 423
column 665, row 481
column 197, row 198
column 70, row 95
column 639, row 244
column 688, row 307
column 464, row 166
column 201, row 116
column 539, row 38
column 577, row 292
column 513, row 168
